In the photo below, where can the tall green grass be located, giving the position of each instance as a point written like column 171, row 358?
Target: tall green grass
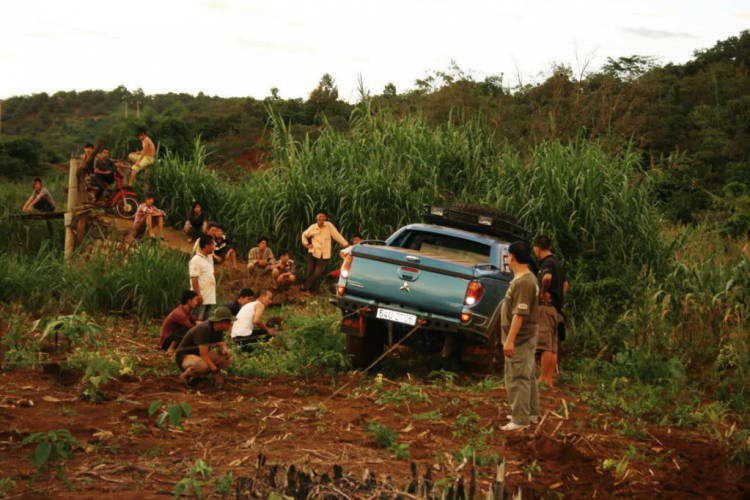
column 147, row 283
column 374, row 179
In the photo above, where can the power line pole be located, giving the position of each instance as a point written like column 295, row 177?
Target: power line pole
column 137, row 109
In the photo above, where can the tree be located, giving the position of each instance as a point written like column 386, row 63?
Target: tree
column 630, row 68
column 325, row 96
column 390, row 90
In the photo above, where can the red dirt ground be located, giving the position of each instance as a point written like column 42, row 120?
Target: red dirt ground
column 231, row 426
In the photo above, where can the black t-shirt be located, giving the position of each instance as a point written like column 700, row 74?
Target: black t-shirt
column 233, row 306
column 550, row 265
column 222, row 247
column 104, row 165
column 197, row 220
column 201, row 334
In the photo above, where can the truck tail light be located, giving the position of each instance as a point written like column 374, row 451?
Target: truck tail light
column 474, row 292
column 341, row 289
column 346, row 266
column 465, row 318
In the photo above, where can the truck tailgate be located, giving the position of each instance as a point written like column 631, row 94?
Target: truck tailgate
column 419, row 281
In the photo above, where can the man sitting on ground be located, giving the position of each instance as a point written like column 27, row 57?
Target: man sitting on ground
column 194, row 355
column 179, row 321
column 249, row 327
column 197, row 223
column 146, row 217
column 104, row 173
column 40, row 198
column 210, row 231
column 224, row 250
column 259, row 259
column 245, row 296
column 284, row 270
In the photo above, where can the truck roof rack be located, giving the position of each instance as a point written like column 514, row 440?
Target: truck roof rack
column 483, row 224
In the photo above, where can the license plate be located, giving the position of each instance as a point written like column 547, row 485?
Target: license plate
column 398, row 317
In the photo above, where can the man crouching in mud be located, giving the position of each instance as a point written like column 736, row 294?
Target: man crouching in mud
column 194, row 355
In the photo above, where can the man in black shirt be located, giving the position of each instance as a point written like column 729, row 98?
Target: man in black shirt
column 552, row 289
column 245, row 296
column 194, row 355
column 104, row 172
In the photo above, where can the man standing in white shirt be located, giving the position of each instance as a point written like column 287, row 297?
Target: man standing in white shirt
column 249, row 326
column 317, row 240
column 202, row 279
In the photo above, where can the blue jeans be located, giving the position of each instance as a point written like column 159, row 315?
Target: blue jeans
column 203, row 311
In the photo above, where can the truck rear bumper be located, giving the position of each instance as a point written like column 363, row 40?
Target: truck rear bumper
column 475, row 331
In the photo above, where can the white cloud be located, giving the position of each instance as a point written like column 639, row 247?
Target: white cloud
column 245, row 47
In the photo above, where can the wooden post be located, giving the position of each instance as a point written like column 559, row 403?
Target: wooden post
column 70, row 239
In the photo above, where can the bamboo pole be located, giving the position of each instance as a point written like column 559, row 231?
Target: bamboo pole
column 70, row 238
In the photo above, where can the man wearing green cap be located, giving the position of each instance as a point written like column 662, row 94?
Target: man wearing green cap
column 194, row 355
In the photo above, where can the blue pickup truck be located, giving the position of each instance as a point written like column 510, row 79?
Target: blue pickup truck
column 448, row 275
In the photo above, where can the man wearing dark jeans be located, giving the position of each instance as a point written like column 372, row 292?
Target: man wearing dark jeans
column 40, row 198
column 317, row 240
column 103, row 173
column 245, row 296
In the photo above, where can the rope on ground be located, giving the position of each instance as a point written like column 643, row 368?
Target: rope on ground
column 359, row 374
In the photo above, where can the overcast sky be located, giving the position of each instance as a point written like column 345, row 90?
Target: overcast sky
column 244, row 47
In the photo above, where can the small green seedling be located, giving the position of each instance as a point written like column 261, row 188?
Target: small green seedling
column 196, row 478
column 174, row 412
column 53, row 448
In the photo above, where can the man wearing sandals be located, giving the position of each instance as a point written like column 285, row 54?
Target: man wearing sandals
column 195, row 354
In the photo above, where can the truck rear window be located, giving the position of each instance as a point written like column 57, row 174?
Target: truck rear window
column 445, row 247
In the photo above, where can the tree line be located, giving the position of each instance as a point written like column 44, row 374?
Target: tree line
column 691, row 121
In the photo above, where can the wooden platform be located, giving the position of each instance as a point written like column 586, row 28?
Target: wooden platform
column 39, row 215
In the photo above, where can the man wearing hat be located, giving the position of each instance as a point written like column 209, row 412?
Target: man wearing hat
column 194, row 354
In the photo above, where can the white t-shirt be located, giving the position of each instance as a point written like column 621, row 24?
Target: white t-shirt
column 245, row 323
column 202, row 267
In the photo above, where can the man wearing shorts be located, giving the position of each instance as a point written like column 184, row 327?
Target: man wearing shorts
column 195, row 356
column 552, row 289
column 147, row 217
column 143, row 159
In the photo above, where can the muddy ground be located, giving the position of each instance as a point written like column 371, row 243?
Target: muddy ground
column 123, row 454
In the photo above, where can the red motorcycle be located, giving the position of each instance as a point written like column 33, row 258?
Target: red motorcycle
column 121, row 198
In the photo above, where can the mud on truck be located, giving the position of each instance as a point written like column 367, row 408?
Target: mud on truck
column 447, row 276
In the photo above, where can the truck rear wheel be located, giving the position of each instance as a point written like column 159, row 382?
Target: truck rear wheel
column 364, row 350
column 480, row 210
